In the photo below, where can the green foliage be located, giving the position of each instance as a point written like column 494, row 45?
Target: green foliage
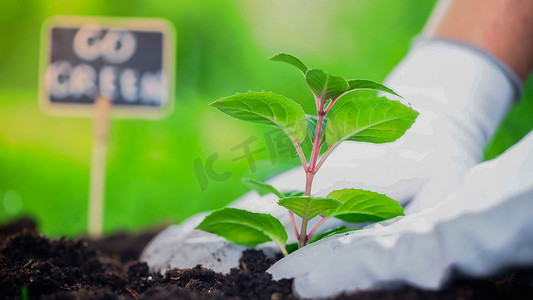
column 374, row 120
column 266, row 108
column 261, row 187
column 311, row 128
column 322, row 235
column 362, row 84
column 360, row 206
column 331, row 232
column 517, row 124
column 27, row 263
column 325, row 86
column 290, row 59
column 307, row 207
column 292, row 194
column 369, row 119
column 290, row 248
column 264, row 188
column 24, row 293
column 243, row 227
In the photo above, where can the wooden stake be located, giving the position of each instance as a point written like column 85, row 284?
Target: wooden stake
column 102, row 109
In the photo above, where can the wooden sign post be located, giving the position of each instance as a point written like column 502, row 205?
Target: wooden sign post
column 105, row 68
column 102, row 109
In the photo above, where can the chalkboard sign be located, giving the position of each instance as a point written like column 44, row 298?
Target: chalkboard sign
column 128, row 61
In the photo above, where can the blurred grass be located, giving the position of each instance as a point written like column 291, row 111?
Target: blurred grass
column 517, row 123
column 221, row 49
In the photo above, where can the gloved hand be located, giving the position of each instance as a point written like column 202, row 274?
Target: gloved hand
column 484, row 227
column 461, row 96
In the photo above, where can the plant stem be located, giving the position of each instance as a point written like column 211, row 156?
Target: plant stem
column 304, row 165
column 331, row 104
column 310, row 235
column 312, row 168
column 323, row 159
column 303, row 234
column 300, row 154
column 291, row 214
column 283, row 249
column 309, row 174
column 316, row 143
column 308, row 183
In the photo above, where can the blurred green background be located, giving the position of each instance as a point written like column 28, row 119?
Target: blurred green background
column 156, row 168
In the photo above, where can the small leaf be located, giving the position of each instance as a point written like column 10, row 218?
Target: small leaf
column 292, row 194
column 266, row 108
column 325, row 86
column 328, row 233
column 290, row 59
column 244, row 227
column 321, row 235
column 362, row 84
column 360, row 206
column 308, row 207
column 374, row 120
column 261, row 187
column 350, row 229
column 291, row 247
column 311, row 128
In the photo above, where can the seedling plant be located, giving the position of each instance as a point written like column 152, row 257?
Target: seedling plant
column 367, row 118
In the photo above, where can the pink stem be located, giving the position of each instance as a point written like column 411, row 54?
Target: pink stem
column 303, row 237
column 294, row 227
column 316, row 143
column 310, row 171
column 331, row 104
column 308, row 183
column 323, row 159
column 301, row 155
column 310, row 235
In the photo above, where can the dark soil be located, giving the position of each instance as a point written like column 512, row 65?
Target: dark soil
column 33, row 265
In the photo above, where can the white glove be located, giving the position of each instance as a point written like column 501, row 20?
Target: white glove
column 461, row 96
column 484, row 227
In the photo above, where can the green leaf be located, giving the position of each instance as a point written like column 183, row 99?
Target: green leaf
column 244, row 227
column 328, row 233
column 291, row 247
column 261, row 187
column 350, row 229
column 308, row 207
column 322, row 235
column 290, row 59
column 312, row 120
column 266, row 108
column 374, row 120
column 325, row 86
column 362, row 84
column 292, row 193
column 360, row 206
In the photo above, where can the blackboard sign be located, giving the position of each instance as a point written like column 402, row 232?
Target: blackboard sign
column 128, row 61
